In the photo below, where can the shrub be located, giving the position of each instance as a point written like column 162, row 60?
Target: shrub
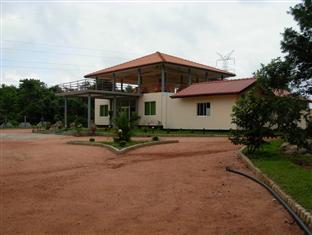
column 155, row 138
column 78, row 128
column 47, row 125
column 91, row 139
column 124, row 125
column 122, row 143
column 251, row 115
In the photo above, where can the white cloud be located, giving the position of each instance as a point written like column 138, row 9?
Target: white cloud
column 120, row 31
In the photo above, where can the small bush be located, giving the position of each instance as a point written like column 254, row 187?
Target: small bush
column 91, row 139
column 47, row 125
column 78, row 128
column 155, row 138
column 122, row 143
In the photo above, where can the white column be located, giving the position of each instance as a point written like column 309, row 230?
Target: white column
column 65, row 112
column 89, row 111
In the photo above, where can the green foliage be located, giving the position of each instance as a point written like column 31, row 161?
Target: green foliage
column 155, row 138
column 124, row 125
column 298, row 46
column 275, row 75
column 8, row 104
column 123, row 128
column 37, row 102
column 251, row 115
column 122, row 143
column 287, row 114
column 78, row 128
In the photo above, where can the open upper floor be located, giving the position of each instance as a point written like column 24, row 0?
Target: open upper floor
column 157, row 72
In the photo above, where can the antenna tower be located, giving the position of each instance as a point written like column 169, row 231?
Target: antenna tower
column 226, row 60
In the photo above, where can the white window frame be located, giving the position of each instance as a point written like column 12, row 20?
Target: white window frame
column 205, row 109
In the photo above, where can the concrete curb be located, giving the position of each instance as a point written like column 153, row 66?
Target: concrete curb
column 124, row 150
column 298, row 209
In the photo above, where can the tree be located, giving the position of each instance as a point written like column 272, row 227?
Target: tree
column 31, row 99
column 288, row 107
column 252, row 115
column 8, row 103
column 298, row 47
column 36, row 101
column 274, row 76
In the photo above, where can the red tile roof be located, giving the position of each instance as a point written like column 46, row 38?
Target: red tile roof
column 221, row 87
column 157, row 58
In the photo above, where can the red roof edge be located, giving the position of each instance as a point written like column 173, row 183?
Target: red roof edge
column 216, row 93
column 162, row 60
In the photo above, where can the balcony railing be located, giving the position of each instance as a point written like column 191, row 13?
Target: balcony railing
column 93, row 84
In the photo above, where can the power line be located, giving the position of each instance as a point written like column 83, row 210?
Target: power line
column 60, row 53
column 65, row 46
column 40, row 62
column 33, row 67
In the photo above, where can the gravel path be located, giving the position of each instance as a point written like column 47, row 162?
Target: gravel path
column 50, row 187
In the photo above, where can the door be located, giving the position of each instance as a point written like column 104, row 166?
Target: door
column 125, row 109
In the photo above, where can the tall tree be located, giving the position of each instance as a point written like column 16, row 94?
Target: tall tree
column 8, row 103
column 297, row 44
column 32, row 99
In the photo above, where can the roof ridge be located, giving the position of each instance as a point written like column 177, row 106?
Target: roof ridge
column 123, row 63
column 220, row 70
column 161, row 56
column 225, row 80
column 155, row 58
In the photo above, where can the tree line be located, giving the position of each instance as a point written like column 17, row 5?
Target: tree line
column 37, row 102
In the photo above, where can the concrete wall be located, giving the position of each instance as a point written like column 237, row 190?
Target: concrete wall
column 100, row 120
column 182, row 112
column 151, row 120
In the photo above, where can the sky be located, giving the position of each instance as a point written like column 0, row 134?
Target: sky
column 59, row 41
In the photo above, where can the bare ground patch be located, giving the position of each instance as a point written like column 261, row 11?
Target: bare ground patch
column 54, row 188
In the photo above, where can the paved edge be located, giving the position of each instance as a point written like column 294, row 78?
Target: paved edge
column 124, row 150
column 298, row 209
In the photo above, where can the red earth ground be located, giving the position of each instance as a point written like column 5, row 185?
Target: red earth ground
column 50, row 187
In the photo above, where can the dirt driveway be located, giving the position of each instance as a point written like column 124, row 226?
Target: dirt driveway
column 50, row 187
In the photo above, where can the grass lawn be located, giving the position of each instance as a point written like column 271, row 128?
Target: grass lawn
column 147, row 131
column 293, row 178
column 144, row 131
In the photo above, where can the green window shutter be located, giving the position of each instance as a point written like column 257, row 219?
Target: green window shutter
column 153, row 108
column 146, row 108
column 101, row 110
column 105, row 110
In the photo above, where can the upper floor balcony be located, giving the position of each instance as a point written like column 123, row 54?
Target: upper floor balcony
column 157, row 72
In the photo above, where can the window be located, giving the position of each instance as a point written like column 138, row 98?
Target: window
column 150, row 108
column 104, row 110
column 203, row 109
